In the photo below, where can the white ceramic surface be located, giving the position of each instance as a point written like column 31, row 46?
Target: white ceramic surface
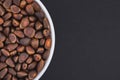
column 53, row 40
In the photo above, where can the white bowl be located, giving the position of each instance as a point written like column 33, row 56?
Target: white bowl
column 53, row 40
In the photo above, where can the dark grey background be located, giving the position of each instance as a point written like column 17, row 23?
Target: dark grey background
column 87, row 40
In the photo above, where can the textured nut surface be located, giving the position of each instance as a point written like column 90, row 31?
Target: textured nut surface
column 3, row 73
column 15, row 9
column 18, row 67
column 36, row 6
column 12, row 71
column 29, row 60
column 7, row 23
column 30, row 50
column 40, row 65
column 21, row 74
column 25, row 41
column 6, row 31
column 37, row 57
column 19, row 34
column 24, row 23
column 23, row 3
column 17, row 16
column 30, row 9
column 46, row 54
column 46, row 23
column 2, row 11
column 13, row 53
column 23, row 57
column 46, row 32
column 15, row 58
column 7, row 16
column 2, row 65
column 29, row 32
column 40, row 50
column 10, row 62
column 32, row 75
column 32, row 65
column 5, row 52
column 42, row 42
column 7, row 3
column 11, row 47
column 38, row 35
column 35, row 43
column 12, row 38
column 20, row 48
column 16, row 2
column 48, row 43
column 38, row 25
column 2, row 37
column 15, row 23
column 24, row 66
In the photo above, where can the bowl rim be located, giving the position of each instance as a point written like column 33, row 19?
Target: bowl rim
column 52, row 37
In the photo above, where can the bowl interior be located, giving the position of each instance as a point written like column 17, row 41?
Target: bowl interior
column 53, row 40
